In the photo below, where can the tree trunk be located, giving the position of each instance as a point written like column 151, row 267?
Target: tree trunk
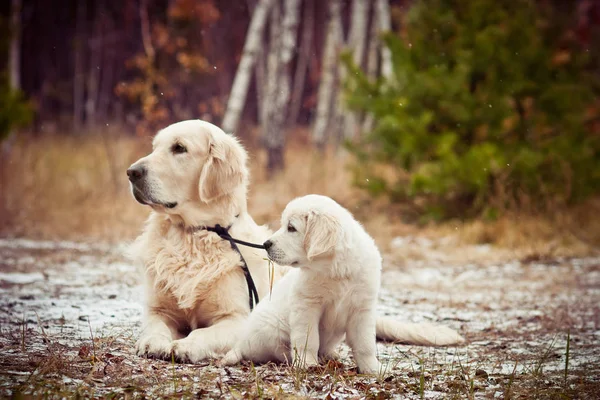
column 108, row 72
column 260, row 72
column 79, row 74
column 93, row 78
column 303, row 59
column 372, row 63
column 279, row 95
column 338, row 118
column 272, row 56
column 15, row 84
column 328, row 72
column 261, row 87
column 147, row 96
column 385, row 25
column 373, row 46
column 239, row 90
column 358, row 33
column 358, row 29
column 15, row 45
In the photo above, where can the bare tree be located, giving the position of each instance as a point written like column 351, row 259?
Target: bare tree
column 260, row 72
column 326, row 88
column 384, row 22
column 239, row 90
column 358, row 29
column 356, row 41
column 372, row 62
column 14, row 62
column 283, row 43
column 79, row 74
column 96, row 44
column 308, row 23
column 373, row 47
column 15, row 45
column 109, row 64
column 272, row 77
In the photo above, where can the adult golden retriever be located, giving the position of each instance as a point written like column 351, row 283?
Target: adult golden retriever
column 196, row 291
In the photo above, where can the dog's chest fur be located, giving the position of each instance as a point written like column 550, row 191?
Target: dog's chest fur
column 186, row 266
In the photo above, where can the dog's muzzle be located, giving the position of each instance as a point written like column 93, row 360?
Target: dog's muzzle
column 136, row 176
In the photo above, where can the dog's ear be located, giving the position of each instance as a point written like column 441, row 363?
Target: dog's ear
column 224, row 170
column 321, row 235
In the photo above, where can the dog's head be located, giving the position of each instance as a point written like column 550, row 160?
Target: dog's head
column 192, row 164
column 310, row 231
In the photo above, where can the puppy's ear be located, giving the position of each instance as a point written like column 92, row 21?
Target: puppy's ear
column 224, row 170
column 321, row 236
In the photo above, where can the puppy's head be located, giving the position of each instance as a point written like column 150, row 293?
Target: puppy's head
column 192, row 163
column 309, row 234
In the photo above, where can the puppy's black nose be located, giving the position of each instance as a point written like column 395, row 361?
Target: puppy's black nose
column 268, row 244
column 135, row 173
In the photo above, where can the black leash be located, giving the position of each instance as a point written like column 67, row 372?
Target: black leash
column 224, row 234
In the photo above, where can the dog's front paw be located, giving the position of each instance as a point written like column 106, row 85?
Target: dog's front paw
column 188, row 350
column 154, row 346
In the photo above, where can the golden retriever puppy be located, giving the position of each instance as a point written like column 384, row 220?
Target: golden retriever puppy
column 332, row 293
column 197, row 295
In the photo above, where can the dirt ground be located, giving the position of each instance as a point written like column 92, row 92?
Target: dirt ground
column 70, row 313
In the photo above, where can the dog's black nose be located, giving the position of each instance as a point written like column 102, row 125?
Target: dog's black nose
column 268, row 244
column 136, row 173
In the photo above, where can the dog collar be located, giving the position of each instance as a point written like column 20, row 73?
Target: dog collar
column 224, row 234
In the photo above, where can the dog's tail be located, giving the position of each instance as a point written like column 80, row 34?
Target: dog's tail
column 424, row 334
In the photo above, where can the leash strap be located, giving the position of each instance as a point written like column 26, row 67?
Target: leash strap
column 224, row 234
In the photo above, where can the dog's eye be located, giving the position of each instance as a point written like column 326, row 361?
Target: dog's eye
column 178, row 148
column 291, row 228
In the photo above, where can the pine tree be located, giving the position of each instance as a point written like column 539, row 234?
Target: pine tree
column 486, row 98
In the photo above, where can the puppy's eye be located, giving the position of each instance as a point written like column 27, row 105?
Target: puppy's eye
column 291, row 228
column 178, row 148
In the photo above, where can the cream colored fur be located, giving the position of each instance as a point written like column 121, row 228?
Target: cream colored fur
column 196, row 294
column 331, row 294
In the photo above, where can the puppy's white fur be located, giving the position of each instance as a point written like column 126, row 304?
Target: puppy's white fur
column 331, row 294
column 196, row 294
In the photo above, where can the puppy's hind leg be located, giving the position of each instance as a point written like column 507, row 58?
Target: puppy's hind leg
column 361, row 339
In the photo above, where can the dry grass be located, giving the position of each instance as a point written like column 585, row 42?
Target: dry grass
column 75, row 188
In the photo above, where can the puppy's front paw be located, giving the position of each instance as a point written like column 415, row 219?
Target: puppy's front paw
column 331, row 356
column 305, row 361
column 188, row 350
column 154, row 346
column 371, row 368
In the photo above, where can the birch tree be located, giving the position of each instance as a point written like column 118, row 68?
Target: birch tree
column 239, row 90
column 79, row 67
column 381, row 22
column 304, row 56
column 272, row 76
column 14, row 61
column 372, row 61
column 15, row 45
column 326, row 88
column 356, row 42
column 96, row 43
column 384, row 22
column 279, row 94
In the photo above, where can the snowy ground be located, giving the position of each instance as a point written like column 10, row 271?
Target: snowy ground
column 70, row 313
